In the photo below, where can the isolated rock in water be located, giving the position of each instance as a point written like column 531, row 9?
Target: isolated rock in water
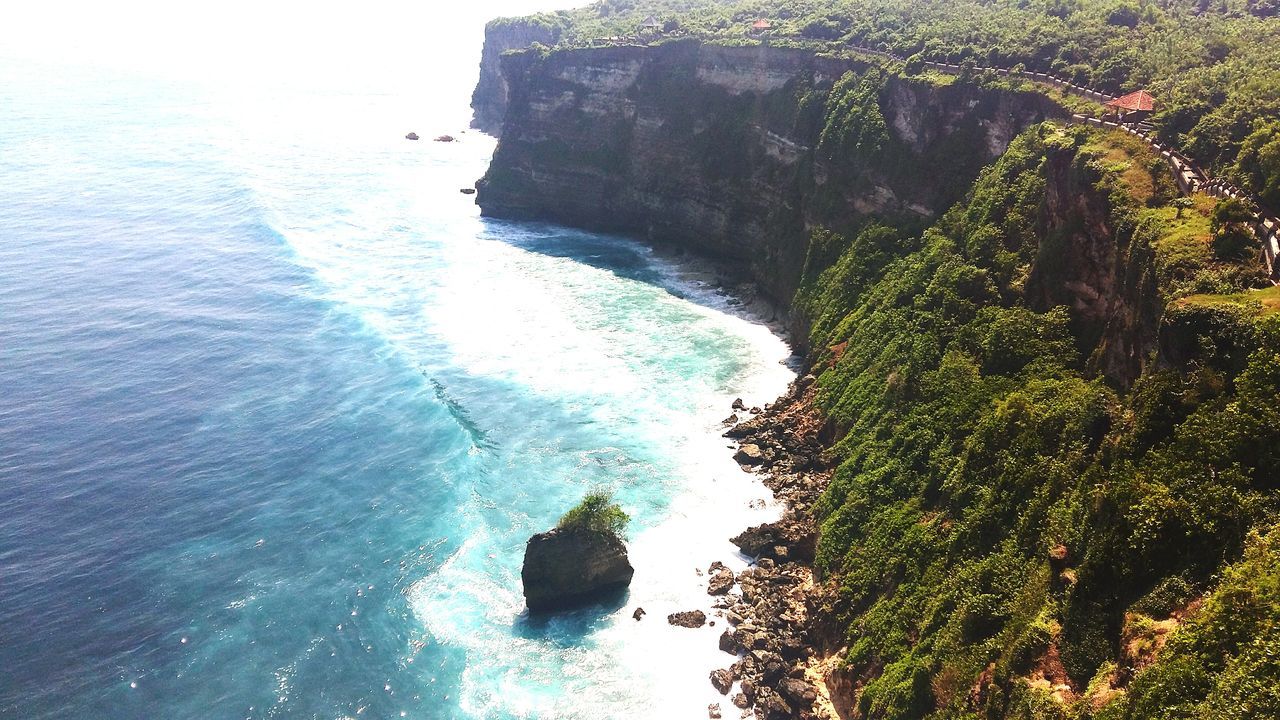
column 567, row 568
column 749, row 454
column 713, row 711
column 720, row 582
column 689, row 618
column 411, row 136
column 468, row 191
column 639, row 613
column 739, row 405
column 446, row 138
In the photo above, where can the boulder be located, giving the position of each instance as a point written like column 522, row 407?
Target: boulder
column 568, row 568
column 775, row 708
column 773, row 670
column 749, row 454
column 739, row 405
column 798, row 692
column 446, row 138
column 688, row 619
column 798, row 541
column 639, row 613
column 728, row 643
column 467, row 191
column 722, row 680
column 721, row 581
column 713, row 711
column 411, row 136
column 755, row 540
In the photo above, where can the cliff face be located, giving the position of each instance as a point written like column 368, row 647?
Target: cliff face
column 722, row 150
column 1089, row 261
column 489, row 101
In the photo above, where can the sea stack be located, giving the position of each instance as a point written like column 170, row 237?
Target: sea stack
column 567, row 568
column 579, row 561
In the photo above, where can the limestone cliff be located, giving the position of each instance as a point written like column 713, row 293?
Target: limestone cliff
column 489, row 101
column 731, row 151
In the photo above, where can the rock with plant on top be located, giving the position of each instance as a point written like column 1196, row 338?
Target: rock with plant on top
column 579, row 561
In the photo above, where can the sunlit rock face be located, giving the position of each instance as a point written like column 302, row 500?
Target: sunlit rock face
column 717, row 149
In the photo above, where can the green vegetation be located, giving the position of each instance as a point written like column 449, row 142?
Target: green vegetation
column 1056, row 411
column 596, row 512
column 998, row 502
column 1214, row 65
column 855, row 131
column 1224, row 663
column 1229, row 225
column 1263, row 302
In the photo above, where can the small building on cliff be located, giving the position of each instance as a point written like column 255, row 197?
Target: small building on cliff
column 760, row 27
column 650, row 26
column 1133, row 107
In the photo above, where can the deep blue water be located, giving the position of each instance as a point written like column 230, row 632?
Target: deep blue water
column 278, row 410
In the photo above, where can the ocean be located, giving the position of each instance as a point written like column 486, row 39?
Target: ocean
column 279, row 409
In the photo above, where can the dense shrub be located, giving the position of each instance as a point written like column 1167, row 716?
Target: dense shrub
column 597, row 512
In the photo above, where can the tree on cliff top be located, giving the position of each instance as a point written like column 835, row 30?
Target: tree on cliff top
column 597, row 512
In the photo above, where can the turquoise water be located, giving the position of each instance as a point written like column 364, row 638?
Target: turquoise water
column 278, row 411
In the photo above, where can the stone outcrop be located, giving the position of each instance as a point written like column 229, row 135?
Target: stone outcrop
column 784, row 620
column 721, row 581
column 712, row 148
column 489, row 101
column 568, row 568
column 688, row 619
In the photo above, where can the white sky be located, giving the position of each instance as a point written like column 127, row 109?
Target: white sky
column 388, row 42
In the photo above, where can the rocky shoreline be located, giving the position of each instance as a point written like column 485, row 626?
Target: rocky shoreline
column 778, row 610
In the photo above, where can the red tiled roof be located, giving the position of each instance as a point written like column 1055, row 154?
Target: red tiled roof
column 762, row 24
column 1134, row 101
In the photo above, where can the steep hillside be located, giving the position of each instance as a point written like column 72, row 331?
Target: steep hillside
column 1045, row 385
column 1010, row 533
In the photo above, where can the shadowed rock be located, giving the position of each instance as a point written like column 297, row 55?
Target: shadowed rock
column 568, row 568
